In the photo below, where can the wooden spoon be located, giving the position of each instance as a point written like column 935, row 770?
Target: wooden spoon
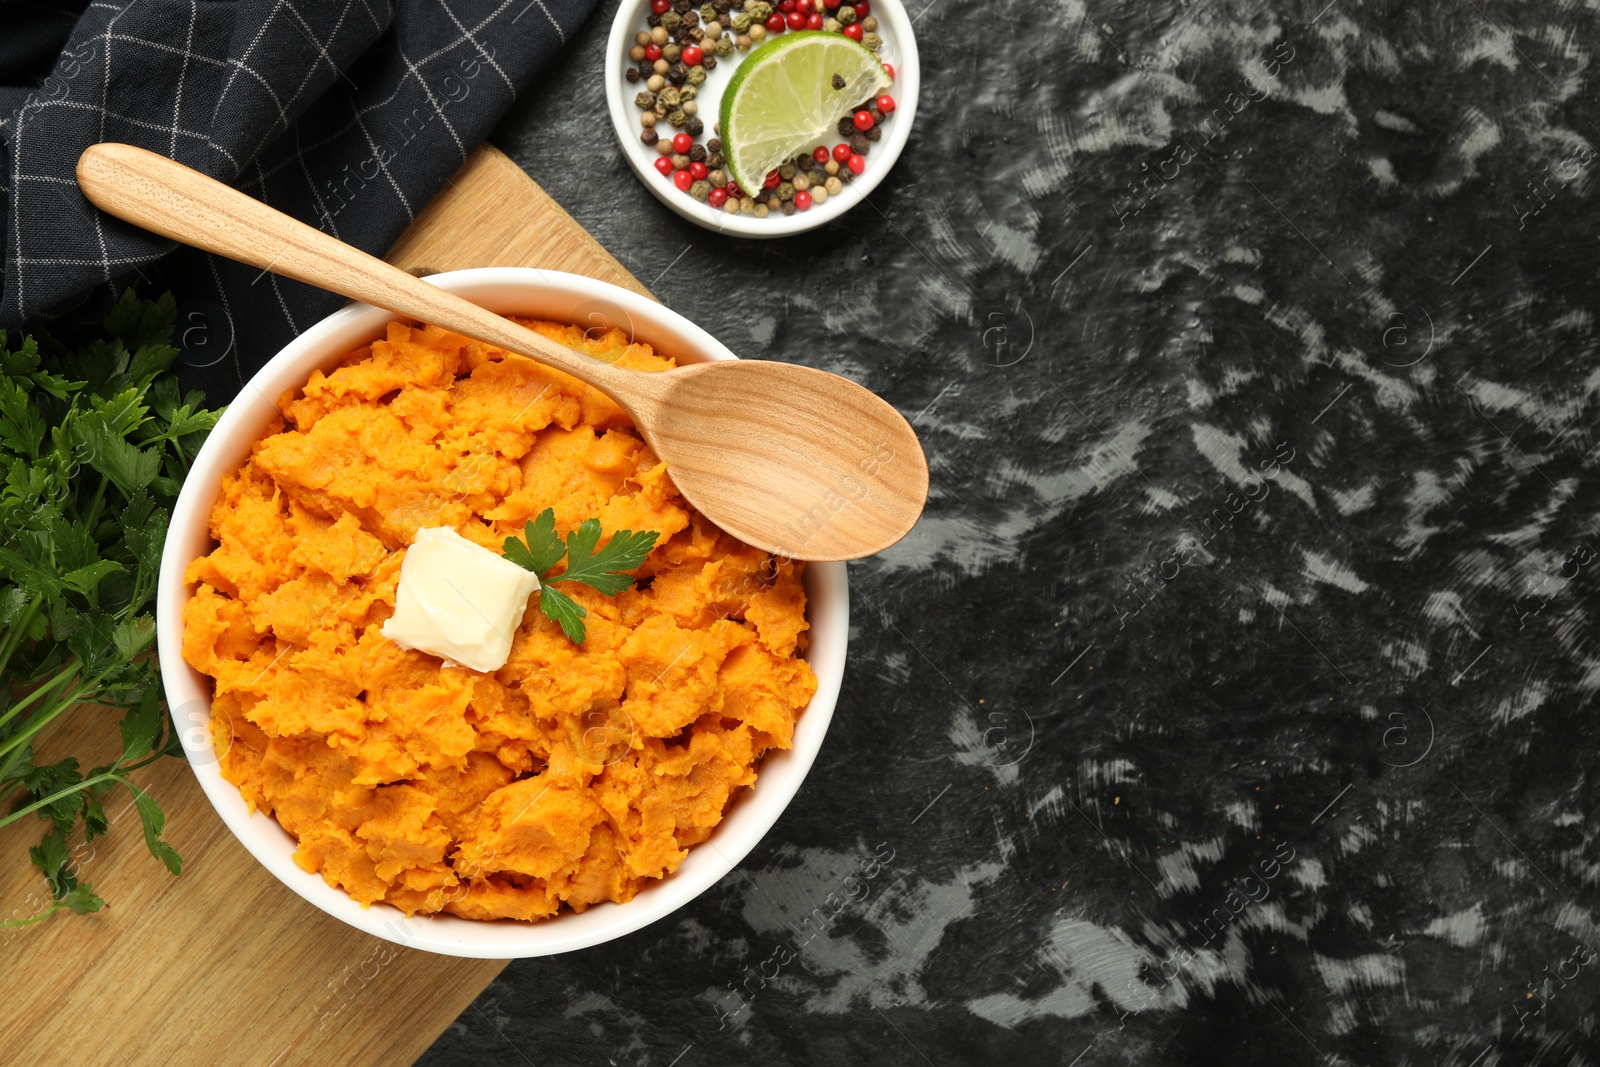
column 795, row 461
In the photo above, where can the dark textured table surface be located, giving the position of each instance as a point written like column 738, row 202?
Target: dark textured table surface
column 1234, row 700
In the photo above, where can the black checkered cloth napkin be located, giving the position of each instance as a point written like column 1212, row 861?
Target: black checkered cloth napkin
column 348, row 114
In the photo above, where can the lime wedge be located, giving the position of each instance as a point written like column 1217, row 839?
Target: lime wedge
column 782, row 99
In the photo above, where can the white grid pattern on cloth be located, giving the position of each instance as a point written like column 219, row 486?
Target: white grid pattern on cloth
column 285, row 84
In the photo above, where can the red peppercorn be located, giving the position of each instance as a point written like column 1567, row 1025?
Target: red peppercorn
column 856, row 163
column 681, row 143
column 719, row 197
column 692, row 56
column 820, row 155
column 660, row 6
column 664, row 165
column 863, row 120
column 797, row 20
column 775, row 23
column 698, row 171
column 786, row 6
column 863, row 9
column 772, row 180
column 734, row 190
column 682, row 180
column 830, row 4
column 652, row 52
column 888, row 68
column 814, row 21
column 802, row 200
column 886, row 104
column 841, row 152
column 854, row 31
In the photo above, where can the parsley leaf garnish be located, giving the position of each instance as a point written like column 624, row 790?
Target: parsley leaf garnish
column 541, row 549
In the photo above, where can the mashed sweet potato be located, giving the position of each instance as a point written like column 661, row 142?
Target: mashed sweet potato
column 572, row 775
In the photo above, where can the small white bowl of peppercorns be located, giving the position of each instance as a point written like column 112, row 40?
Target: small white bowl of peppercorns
column 668, row 65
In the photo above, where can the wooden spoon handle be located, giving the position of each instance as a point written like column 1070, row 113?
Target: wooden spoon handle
column 169, row 198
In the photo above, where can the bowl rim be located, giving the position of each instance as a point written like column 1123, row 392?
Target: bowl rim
column 752, row 813
column 907, row 88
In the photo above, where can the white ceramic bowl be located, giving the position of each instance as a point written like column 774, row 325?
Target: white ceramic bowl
column 511, row 290
column 899, row 50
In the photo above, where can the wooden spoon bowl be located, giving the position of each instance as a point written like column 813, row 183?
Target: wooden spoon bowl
column 793, row 460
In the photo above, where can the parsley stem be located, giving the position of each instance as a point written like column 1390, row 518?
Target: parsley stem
column 16, row 745
column 45, row 914
column 60, row 794
column 18, row 632
column 44, row 690
column 94, row 503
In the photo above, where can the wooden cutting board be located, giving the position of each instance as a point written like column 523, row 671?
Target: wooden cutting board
column 224, row 965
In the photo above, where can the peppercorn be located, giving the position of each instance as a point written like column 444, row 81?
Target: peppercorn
column 680, row 161
column 788, row 207
column 655, row 82
column 697, row 154
column 870, row 24
column 774, row 202
column 700, row 190
column 661, row 67
column 758, row 32
column 687, row 93
column 697, row 35
column 831, row 166
column 786, row 171
column 874, row 134
column 649, row 136
column 760, row 11
column 672, row 20
column 725, row 46
column 646, row 69
column 633, row 75
column 740, row 22
column 708, row 12
column 713, row 31
column 680, row 6
column 746, row 205
column 696, row 75
column 652, row 20
column 760, row 211
column 834, row 186
column 872, row 41
column 670, row 97
column 671, row 53
column 819, row 194
column 678, row 73
column 658, row 35
column 831, row 26
column 717, row 175
column 678, row 119
column 691, row 19
column 801, row 183
column 846, row 15
column 645, row 99
column 859, row 144
column 692, row 108
column 636, row 53
column 846, row 126
column 696, row 127
column 742, row 42
column 714, row 159
column 785, row 190
column 846, row 175
column 709, row 62
column 838, row 81
column 731, row 206
column 877, row 116
column 664, row 146
column 721, row 6
column 641, row 38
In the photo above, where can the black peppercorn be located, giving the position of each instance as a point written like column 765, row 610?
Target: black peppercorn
column 691, row 18
column 680, row 6
column 695, row 127
column 714, row 145
column 721, row 7
column 874, row 133
column 846, row 127
column 633, row 74
column 877, row 116
column 838, row 81
column 709, row 62
column 650, row 137
column 653, row 20
column 697, row 154
column 714, row 160
column 677, row 74
column 859, row 144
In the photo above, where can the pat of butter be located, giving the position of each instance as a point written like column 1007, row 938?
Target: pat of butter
column 458, row 601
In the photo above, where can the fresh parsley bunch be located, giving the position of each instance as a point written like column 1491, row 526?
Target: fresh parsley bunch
column 94, row 443
column 543, row 548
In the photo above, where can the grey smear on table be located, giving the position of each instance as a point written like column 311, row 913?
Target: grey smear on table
column 1234, row 700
